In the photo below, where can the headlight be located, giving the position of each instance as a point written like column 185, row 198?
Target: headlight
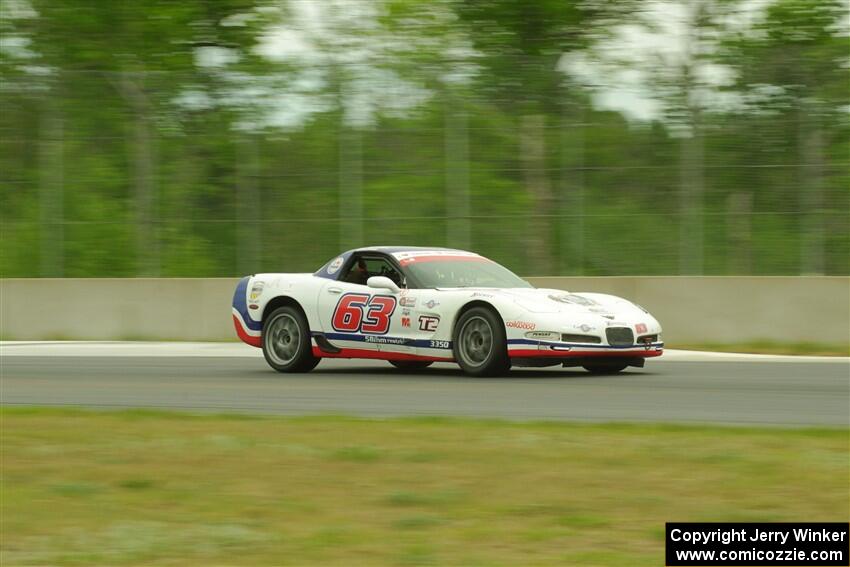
column 543, row 335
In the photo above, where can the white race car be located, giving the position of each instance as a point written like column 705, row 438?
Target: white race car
column 415, row 306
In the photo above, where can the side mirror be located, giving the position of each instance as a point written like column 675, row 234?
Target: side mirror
column 383, row 282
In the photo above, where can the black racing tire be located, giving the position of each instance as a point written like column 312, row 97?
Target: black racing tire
column 606, row 367
column 480, row 344
column 411, row 364
column 287, row 346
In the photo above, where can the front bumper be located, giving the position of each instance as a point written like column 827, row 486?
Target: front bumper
column 529, row 348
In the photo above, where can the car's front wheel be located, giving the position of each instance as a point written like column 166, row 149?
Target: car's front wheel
column 411, row 364
column 480, row 344
column 286, row 341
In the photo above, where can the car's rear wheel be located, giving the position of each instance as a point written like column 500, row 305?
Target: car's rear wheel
column 411, row 364
column 286, row 341
column 480, row 344
column 606, row 366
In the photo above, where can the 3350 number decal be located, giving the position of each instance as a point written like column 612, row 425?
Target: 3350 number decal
column 367, row 314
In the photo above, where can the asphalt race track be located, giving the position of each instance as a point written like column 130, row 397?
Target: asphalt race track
column 679, row 387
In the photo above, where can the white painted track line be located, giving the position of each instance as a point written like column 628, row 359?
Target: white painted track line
column 234, row 349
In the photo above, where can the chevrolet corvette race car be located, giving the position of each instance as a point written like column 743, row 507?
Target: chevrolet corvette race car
column 415, row 306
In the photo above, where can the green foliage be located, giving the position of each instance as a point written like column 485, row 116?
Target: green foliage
column 124, row 152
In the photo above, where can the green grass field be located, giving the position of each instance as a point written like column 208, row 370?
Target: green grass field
column 156, row 488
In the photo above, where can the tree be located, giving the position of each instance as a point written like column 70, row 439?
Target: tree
column 521, row 44
column 660, row 60
column 792, row 66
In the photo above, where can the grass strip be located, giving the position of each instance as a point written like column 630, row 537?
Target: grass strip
column 160, row 488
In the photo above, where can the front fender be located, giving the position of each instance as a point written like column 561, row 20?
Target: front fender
column 248, row 329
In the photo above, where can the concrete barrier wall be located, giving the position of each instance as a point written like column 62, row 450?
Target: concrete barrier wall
column 691, row 309
column 733, row 309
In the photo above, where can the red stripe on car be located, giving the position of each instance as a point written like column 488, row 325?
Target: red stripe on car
column 245, row 337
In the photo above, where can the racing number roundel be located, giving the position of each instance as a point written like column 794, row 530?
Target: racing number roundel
column 359, row 312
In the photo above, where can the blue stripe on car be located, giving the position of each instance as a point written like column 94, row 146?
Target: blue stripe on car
column 385, row 340
column 242, row 307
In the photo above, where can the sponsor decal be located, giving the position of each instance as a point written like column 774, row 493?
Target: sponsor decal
column 528, row 326
column 405, row 321
column 547, row 335
column 385, row 340
column 407, row 301
column 428, row 323
column 640, row 328
column 430, row 304
column 335, row 265
column 253, row 306
column 256, row 290
column 586, row 328
column 487, row 295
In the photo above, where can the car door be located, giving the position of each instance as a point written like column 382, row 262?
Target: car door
column 431, row 326
column 356, row 318
column 404, row 323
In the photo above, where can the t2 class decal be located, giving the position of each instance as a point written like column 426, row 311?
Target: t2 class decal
column 360, row 312
column 428, row 323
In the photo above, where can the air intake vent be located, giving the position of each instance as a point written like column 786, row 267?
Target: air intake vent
column 567, row 338
column 620, row 336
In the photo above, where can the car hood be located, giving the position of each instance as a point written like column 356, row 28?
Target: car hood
column 564, row 302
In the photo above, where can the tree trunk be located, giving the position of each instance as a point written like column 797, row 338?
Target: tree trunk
column 350, row 187
column 51, row 194
column 691, row 203
column 739, row 231
column 533, row 156
column 571, row 202
column 458, row 206
column 812, row 156
column 691, row 183
column 249, row 240
column 144, row 176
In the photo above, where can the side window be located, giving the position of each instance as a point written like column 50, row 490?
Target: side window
column 364, row 267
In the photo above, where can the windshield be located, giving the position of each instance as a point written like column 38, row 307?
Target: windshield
column 463, row 272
